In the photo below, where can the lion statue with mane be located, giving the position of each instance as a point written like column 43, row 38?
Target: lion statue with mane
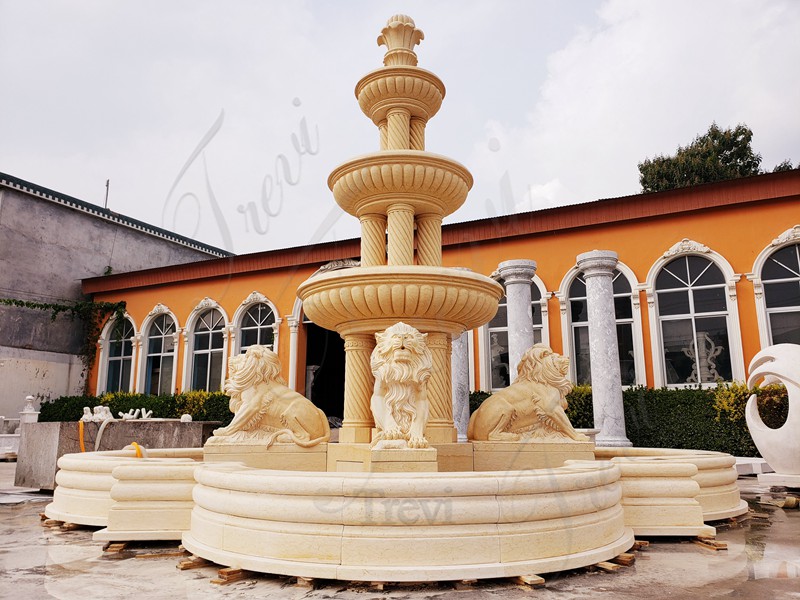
column 530, row 408
column 265, row 410
column 401, row 363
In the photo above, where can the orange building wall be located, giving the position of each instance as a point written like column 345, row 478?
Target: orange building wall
column 736, row 232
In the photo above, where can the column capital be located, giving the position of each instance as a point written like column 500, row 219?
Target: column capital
column 517, row 271
column 598, row 263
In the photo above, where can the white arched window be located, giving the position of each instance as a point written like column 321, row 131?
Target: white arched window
column 776, row 281
column 579, row 326
column 206, row 345
column 117, row 350
column 256, row 323
column 159, row 368
column 498, row 375
column 692, row 292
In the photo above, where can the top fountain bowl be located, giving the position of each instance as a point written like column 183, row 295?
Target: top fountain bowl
column 372, row 183
column 416, row 90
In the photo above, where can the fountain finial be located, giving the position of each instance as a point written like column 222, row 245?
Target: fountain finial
column 400, row 36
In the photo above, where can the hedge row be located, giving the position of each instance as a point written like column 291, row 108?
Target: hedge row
column 203, row 406
column 694, row 418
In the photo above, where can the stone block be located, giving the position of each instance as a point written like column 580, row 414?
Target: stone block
column 515, row 456
column 284, row 457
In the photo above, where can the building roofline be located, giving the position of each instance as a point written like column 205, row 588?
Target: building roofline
column 767, row 187
column 107, row 215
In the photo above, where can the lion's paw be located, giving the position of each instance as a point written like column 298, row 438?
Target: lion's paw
column 393, row 434
column 417, row 442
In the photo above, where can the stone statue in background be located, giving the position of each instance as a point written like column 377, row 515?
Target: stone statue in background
column 532, row 407
column 401, row 363
column 779, row 447
column 265, row 409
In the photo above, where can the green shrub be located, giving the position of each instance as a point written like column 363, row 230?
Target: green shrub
column 203, row 406
column 579, row 407
column 476, row 399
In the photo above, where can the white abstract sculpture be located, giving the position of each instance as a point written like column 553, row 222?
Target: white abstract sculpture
column 402, row 364
column 87, row 415
column 146, row 414
column 780, row 447
column 186, row 418
column 130, row 415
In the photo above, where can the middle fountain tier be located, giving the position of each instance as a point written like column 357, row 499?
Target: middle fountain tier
column 400, row 195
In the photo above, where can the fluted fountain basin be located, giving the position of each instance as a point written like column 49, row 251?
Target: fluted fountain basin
column 371, row 183
column 415, row 89
column 408, row 526
column 369, row 299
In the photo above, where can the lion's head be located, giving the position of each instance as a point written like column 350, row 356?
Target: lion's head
column 540, row 364
column 257, row 365
column 402, row 361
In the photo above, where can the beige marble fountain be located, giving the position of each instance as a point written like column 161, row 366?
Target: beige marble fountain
column 397, row 498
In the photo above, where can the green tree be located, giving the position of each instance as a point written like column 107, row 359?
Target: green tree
column 716, row 155
column 784, row 166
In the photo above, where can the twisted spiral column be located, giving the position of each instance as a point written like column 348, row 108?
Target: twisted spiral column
column 429, row 240
column 358, row 383
column 400, row 222
column 383, row 129
column 417, row 134
column 399, row 125
column 440, row 391
column 373, row 240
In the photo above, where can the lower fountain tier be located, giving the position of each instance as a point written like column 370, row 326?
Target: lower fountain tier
column 370, row 299
column 408, row 526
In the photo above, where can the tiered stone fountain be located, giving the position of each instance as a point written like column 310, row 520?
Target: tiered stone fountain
column 352, row 510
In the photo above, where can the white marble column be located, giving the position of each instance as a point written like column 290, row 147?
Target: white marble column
column 459, row 361
column 598, row 267
column 517, row 276
column 294, row 326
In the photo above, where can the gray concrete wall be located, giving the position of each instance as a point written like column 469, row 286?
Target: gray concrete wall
column 46, row 248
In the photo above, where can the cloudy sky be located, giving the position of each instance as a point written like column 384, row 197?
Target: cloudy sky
column 221, row 120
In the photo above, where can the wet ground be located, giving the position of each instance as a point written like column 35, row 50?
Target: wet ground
column 762, row 561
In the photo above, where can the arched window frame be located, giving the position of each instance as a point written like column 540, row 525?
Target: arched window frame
column 788, row 238
column 103, row 344
column 141, row 343
column 484, row 342
column 237, row 321
column 566, row 321
column 188, row 340
column 687, row 247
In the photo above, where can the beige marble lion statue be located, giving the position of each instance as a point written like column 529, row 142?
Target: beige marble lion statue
column 401, row 363
column 265, row 410
column 530, row 408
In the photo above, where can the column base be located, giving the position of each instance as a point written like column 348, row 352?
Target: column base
column 350, row 434
column 612, row 441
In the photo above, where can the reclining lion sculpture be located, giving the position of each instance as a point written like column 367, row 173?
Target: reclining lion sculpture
column 530, row 408
column 265, row 410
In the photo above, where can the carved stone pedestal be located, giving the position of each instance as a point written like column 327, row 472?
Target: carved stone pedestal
column 516, row 456
column 362, row 458
column 284, row 457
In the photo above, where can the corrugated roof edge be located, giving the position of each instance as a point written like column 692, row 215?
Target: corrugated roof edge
column 103, row 213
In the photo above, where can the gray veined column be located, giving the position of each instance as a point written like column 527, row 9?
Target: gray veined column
column 517, row 276
column 598, row 267
column 459, row 362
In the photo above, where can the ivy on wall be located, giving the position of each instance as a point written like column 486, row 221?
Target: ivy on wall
column 92, row 315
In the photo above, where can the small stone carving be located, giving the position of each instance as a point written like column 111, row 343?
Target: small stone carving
column 780, row 447
column 186, row 418
column 87, row 415
column 101, row 413
column 532, row 407
column 130, row 415
column 401, row 363
column 146, row 414
column 265, row 409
